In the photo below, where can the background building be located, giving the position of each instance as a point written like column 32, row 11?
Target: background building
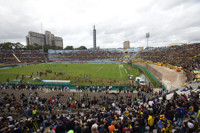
column 44, row 39
column 126, row 44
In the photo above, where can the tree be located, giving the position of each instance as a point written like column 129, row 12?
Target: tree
column 18, row 45
column 38, row 47
column 81, row 47
column 6, row 45
column 46, row 47
column 10, row 45
column 33, row 47
column 69, row 48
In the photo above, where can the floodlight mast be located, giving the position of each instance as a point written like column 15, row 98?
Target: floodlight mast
column 94, row 38
column 42, row 41
column 147, row 36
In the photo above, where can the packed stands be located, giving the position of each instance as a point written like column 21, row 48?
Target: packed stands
column 33, row 109
column 186, row 56
column 20, row 56
column 89, row 55
column 85, row 111
column 84, row 55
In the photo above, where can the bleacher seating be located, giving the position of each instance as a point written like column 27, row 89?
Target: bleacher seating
column 186, row 56
column 25, row 56
column 89, row 55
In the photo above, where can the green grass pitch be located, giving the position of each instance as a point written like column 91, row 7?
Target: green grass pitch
column 99, row 74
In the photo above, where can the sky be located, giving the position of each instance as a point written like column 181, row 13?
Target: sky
column 116, row 21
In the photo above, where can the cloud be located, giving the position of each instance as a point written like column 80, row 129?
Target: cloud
column 116, row 21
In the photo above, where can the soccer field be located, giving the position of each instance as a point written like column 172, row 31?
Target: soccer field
column 100, row 74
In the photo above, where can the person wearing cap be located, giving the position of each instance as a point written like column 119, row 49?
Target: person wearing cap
column 161, row 124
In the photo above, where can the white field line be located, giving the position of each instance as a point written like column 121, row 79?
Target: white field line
column 120, row 71
column 124, row 69
column 99, row 68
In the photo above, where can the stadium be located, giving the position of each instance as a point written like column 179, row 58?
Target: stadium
column 108, row 66
column 74, row 84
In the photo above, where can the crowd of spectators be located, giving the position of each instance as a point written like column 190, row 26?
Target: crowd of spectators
column 25, row 56
column 86, row 55
column 92, row 112
column 185, row 56
column 30, row 109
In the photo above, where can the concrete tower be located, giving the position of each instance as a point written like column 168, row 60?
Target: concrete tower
column 94, row 38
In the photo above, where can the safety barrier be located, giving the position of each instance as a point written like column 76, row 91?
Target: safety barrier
column 57, row 87
column 8, row 66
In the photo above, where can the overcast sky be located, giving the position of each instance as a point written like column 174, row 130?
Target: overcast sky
column 116, row 21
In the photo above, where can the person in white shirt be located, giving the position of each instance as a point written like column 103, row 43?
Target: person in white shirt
column 94, row 126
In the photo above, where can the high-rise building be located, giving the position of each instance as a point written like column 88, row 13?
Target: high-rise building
column 126, row 44
column 94, row 38
column 44, row 39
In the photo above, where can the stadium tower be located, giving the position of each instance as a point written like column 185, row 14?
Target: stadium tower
column 94, row 38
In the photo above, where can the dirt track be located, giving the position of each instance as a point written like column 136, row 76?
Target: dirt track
column 170, row 78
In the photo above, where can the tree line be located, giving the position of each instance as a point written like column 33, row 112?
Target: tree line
column 19, row 46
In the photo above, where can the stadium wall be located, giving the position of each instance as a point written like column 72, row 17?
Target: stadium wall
column 156, row 73
column 16, row 65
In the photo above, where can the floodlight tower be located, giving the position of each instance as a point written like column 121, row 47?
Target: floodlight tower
column 42, row 41
column 94, row 38
column 147, row 36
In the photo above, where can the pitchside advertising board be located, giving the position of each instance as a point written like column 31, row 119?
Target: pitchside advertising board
column 56, row 82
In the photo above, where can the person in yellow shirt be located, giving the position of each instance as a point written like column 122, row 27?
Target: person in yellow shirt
column 169, row 127
column 151, row 122
column 198, row 115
